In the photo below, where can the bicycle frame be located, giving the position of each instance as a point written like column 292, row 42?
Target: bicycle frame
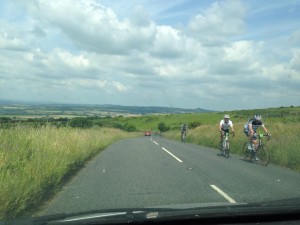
column 259, row 137
column 183, row 136
column 260, row 150
column 225, row 145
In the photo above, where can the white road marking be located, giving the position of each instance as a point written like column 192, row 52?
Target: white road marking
column 223, row 193
column 155, row 143
column 179, row 160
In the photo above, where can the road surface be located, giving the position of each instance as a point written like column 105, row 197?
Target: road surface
column 149, row 172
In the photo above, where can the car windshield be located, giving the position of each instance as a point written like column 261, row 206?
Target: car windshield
column 131, row 106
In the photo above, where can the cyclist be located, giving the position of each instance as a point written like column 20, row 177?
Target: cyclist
column 250, row 130
column 183, row 129
column 225, row 123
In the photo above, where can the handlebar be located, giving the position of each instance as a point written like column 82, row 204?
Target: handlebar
column 227, row 133
column 262, row 135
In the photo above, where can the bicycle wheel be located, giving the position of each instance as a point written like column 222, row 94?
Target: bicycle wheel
column 227, row 150
column 263, row 155
column 247, row 154
column 221, row 148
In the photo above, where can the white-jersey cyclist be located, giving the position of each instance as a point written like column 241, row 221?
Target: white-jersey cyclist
column 225, row 124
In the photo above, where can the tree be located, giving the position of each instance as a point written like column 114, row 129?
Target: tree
column 129, row 127
column 162, row 127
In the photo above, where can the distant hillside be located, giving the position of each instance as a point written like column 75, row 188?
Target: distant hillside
column 14, row 108
column 150, row 109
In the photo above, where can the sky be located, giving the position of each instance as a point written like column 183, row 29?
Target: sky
column 217, row 55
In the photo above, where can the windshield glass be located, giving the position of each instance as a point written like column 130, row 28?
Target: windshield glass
column 115, row 105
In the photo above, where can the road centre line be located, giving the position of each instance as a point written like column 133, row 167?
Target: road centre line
column 179, row 160
column 155, row 143
column 223, row 193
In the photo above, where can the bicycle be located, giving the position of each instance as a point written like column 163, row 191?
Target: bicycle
column 224, row 146
column 183, row 136
column 260, row 153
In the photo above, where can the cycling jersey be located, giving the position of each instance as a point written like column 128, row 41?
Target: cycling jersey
column 225, row 126
column 255, row 124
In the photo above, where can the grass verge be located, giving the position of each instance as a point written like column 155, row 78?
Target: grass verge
column 283, row 145
column 33, row 162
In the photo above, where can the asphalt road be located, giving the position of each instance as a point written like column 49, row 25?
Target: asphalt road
column 149, row 172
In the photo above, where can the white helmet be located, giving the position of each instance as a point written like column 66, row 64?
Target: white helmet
column 226, row 116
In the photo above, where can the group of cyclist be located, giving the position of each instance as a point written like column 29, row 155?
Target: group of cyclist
column 249, row 129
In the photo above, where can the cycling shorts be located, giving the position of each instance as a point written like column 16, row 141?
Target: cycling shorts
column 226, row 131
column 247, row 133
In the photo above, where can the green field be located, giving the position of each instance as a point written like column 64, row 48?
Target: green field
column 281, row 115
column 37, row 156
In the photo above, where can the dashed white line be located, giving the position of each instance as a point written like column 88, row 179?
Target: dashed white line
column 231, row 200
column 223, row 193
column 155, row 143
column 179, row 160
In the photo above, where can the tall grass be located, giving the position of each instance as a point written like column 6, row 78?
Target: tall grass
column 33, row 162
column 284, row 144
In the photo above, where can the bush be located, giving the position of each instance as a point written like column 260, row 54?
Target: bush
column 129, row 127
column 194, row 124
column 80, row 122
column 162, row 127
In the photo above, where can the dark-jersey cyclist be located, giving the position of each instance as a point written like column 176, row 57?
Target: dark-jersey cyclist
column 250, row 129
column 224, row 126
column 183, row 129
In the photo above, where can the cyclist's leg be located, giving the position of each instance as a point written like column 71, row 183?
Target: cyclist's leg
column 227, row 147
column 247, row 133
column 221, row 139
column 246, row 152
column 251, row 140
column 225, row 132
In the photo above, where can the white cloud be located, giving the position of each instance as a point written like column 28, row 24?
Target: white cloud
column 83, row 83
column 295, row 61
column 119, row 86
column 88, row 50
column 77, row 62
column 168, row 42
column 222, row 20
column 239, row 51
column 93, row 27
column 167, row 71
